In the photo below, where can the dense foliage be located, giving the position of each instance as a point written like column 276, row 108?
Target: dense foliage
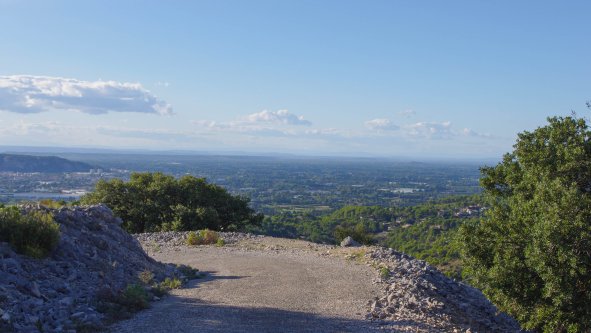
column 428, row 231
column 531, row 254
column 158, row 202
column 35, row 234
column 359, row 222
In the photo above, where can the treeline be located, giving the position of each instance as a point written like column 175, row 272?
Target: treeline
column 359, row 222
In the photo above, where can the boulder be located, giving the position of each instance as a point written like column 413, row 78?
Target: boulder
column 348, row 242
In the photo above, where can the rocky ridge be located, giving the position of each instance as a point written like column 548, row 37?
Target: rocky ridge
column 60, row 293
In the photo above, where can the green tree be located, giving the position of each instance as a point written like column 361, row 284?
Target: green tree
column 158, row 202
column 531, row 254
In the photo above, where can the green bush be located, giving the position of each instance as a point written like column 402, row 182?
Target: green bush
column 151, row 202
column 50, row 203
column 203, row 237
column 530, row 254
column 135, row 297
column 121, row 305
column 169, row 283
column 35, row 234
column 146, row 277
column 192, row 238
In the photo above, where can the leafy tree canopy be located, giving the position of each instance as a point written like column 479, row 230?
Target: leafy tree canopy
column 157, row 202
column 531, row 254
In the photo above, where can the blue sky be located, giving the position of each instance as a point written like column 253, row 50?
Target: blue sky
column 381, row 78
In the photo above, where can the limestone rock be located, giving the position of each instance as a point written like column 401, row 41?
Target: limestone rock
column 59, row 292
column 349, row 242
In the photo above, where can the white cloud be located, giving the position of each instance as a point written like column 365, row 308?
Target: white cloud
column 282, row 117
column 470, row 132
column 407, row 113
column 34, row 94
column 381, row 124
column 431, row 130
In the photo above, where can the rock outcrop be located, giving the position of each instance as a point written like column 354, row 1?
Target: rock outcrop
column 59, row 293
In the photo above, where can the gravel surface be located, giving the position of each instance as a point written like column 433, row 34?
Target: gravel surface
column 262, row 285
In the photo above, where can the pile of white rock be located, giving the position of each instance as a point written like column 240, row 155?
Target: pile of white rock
column 59, row 293
column 419, row 295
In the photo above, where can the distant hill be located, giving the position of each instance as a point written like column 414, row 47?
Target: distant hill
column 28, row 163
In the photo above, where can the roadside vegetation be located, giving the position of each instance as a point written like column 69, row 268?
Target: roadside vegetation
column 122, row 304
column 204, row 237
column 34, row 234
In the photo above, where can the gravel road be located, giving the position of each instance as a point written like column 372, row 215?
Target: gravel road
column 260, row 287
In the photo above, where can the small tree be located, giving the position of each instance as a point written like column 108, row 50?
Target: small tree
column 531, row 254
column 158, row 202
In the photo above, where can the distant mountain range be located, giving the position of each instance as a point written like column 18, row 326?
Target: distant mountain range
column 28, row 163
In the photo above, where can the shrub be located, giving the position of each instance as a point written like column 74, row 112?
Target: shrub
column 50, row 203
column 118, row 306
column 192, row 238
column 208, row 236
column 220, row 242
column 35, row 234
column 204, row 237
column 169, row 283
column 135, row 297
column 384, row 273
column 146, row 277
column 151, row 202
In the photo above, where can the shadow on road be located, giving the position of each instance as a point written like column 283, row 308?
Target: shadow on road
column 187, row 315
column 190, row 315
column 212, row 275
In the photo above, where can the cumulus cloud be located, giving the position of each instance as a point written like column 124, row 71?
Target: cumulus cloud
column 381, row 124
column 282, row 117
column 34, row 94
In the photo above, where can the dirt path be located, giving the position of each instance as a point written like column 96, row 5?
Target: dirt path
column 262, row 288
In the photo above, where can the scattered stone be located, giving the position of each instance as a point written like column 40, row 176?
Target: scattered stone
column 349, row 242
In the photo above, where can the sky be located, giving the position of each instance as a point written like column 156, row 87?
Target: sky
column 420, row 79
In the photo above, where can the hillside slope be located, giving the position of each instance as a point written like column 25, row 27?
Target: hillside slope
column 29, row 163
